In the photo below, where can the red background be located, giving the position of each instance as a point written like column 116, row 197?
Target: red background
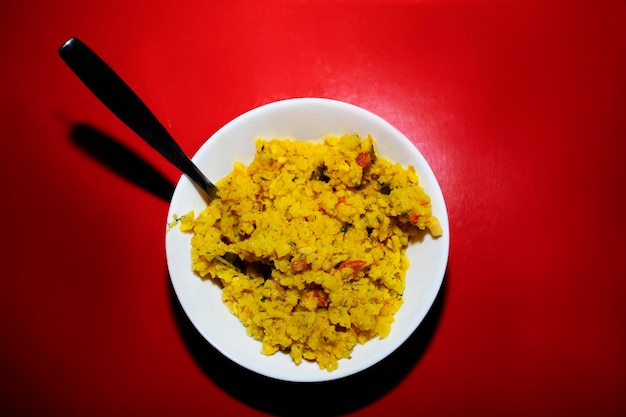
column 519, row 107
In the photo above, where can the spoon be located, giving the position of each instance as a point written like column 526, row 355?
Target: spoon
column 115, row 94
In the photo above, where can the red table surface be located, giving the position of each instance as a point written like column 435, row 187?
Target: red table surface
column 519, row 107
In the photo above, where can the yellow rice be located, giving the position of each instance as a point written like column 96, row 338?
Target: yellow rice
column 322, row 230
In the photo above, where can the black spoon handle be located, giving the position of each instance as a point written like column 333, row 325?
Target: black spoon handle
column 111, row 90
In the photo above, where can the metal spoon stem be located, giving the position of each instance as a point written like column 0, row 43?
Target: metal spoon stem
column 115, row 94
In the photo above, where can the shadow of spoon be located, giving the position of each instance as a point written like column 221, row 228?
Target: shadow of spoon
column 121, row 160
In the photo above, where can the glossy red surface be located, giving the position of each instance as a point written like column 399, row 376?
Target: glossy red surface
column 519, row 107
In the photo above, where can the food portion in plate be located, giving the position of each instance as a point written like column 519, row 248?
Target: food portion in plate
column 308, row 244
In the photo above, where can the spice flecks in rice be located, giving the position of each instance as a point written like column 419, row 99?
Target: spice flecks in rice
column 322, row 229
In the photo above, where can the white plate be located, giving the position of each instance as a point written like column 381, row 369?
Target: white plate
column 302, row 119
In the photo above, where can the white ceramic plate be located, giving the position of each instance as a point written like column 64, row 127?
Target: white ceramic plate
column 306, row 119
